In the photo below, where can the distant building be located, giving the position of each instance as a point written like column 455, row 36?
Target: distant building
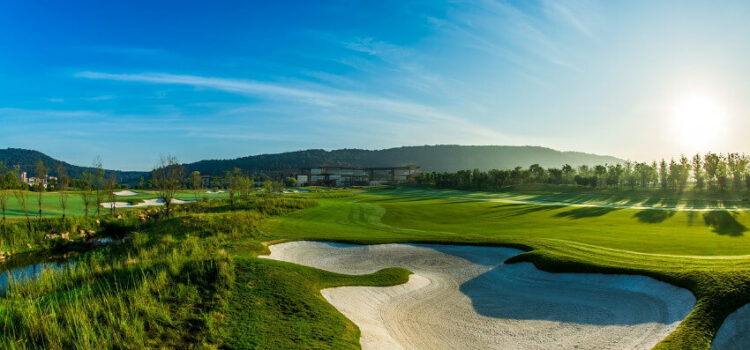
column 206, row 181
column 348, row 176
column 33, row 181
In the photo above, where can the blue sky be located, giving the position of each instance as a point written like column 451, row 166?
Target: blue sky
column 131, row 81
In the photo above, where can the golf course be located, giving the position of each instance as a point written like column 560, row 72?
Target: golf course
column 701, row 251
column 379, row 268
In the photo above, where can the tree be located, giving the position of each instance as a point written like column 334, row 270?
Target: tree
column 235, row 179
column 41, row 177
column 98, row 183
column 663, row 174
column 22, row 197
column 614, row 174
column 711, row 165
column 62, row 183
column 4, row 187
column 698, row 174
column 196, row 183
column 568, row 173
column 244, row 184
column 268, row 187
column 87, row 179
column 629, row 175
column 167, row 177
column 290, row 182
column 684, row 172
column 737, row 164
column 110, row 185
column 600, row 171
column 537, row 173
column 722, row 172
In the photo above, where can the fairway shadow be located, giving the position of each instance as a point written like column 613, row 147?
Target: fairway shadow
column 534, row 209
column 724, row 223
column 653, row 216
column 585, row 212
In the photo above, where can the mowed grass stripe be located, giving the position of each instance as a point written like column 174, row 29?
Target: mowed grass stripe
column 703, row 252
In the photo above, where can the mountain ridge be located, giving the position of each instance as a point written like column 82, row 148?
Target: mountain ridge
column 438, row 158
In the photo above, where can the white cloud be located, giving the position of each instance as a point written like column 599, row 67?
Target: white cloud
column 321, row 97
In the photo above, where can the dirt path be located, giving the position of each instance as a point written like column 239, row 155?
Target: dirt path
column 464, row 297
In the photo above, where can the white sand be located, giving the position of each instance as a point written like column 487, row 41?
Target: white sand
column 463, row 297
column 215, row 192
column 735, row 331
column 127, row 193
column 145, row 203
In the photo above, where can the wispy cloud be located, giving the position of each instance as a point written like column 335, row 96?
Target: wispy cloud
column 229, row 85
column 131, row 51
column 568, row 15
column 101, row 98
column 20, row 113
column 321, row 97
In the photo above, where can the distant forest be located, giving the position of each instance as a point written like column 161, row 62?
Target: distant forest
column 712, row 171
column 716, row 172
column 439, row 158
column 26, row 161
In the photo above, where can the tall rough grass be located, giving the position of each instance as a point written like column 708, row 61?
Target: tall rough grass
column 167, row 287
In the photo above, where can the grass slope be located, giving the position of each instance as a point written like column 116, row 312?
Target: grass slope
column 278, row 305
column 705, row 252
column 189, row 281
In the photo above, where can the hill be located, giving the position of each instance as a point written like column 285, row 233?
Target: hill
column 26, row 160
column 429, row 158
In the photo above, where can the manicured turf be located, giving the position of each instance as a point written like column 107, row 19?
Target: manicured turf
column 278, row 305
column 179, row 287
column 705, row 252
column 51, row 202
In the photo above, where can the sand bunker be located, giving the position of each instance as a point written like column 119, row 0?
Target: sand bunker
column 463, row 297
column 215, row 192
column 734, row 332
column 127, row 193
column 145, row 203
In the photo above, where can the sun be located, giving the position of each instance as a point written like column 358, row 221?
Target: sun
column 698, row 121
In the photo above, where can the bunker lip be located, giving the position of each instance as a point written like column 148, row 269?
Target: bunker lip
column 145, row 203
column 127, row 193
column 490, row 304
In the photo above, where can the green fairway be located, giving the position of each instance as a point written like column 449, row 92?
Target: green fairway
column 51, row 202
column 704, row 251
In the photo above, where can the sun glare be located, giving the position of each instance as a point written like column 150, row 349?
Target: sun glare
column 698, row 121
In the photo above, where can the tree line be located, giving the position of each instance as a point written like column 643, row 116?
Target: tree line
column 96, row 187
column 712, row 172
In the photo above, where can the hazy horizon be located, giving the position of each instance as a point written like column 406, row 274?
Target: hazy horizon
column 149, row 168
column 136, row 80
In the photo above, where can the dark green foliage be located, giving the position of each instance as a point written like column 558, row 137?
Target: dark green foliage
column 27, row 160
column 429, row 158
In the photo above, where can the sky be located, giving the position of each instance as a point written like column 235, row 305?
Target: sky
column 131, row 81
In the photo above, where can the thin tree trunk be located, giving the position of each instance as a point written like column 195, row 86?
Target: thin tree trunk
column 39, row 201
